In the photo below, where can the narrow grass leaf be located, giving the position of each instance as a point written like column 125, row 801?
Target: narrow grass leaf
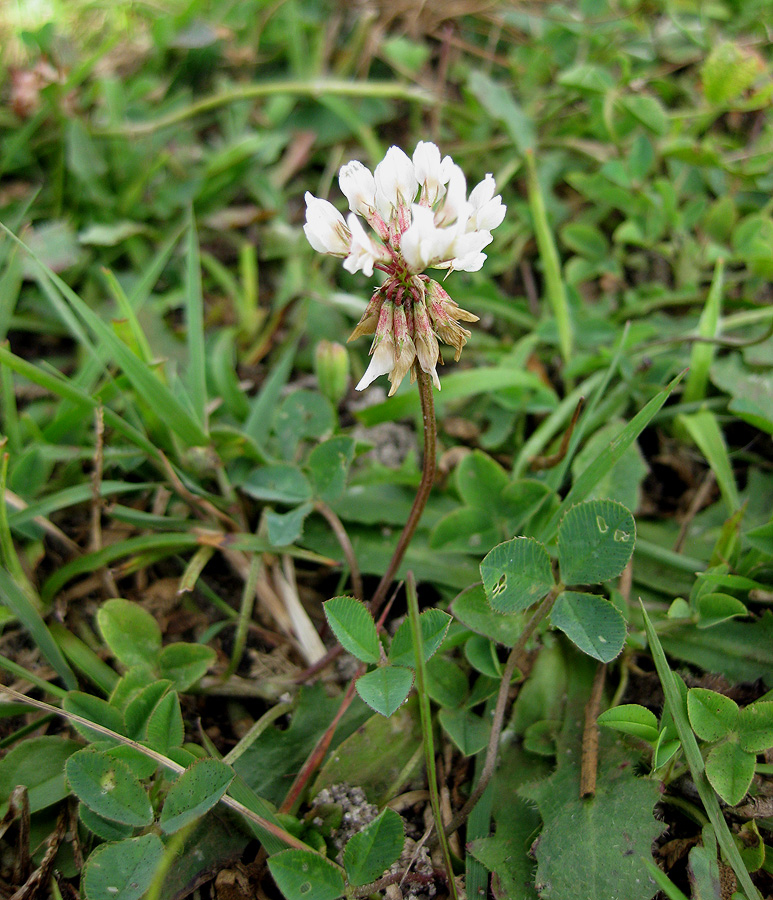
column 123, row 870
column 704, row 429
column 354, row 628
column 702, row 353
column 695, row 761
column 14, row 598
column 301, row 873
column 108, row 786
column 371, row 851
column 194, row 793
column 194, row 322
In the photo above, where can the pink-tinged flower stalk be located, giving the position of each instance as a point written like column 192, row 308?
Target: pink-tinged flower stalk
column 422, row 218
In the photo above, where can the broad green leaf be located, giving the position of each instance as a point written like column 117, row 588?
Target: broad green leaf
column 481, row 654
column 594, row 624
column 278, row 483
column 717, row 607
column 124, row 870
column 630, row 718
column 108, row 786
column 303, row 874
column 130, row 632
column 730, row 770
column 500, row 104
column 595, row 541
column 465, row 530
column 586, row 239
column 446, row 683
column 473, row 610
column 165, row 725
column 95, row 710
column 286, row 528
column 103, row 828
column 328, row 467
column 369, row 852
column 386, row 688
column 468, row 731
column 184, row 664
column 194, row 793
column 38, row 764
column 354, row 627
column 434, row 626
column 302, row 414
column 712, row 716
column 516, row 574
column 139, row 709
column 648, row 111
column 728, row 71
column 481, row 481
column 755, row 727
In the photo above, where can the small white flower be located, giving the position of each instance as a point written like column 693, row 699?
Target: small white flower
column 488, row 211
column 359, row 187
column 325, row 228
column 440, row 228
column 396, row 182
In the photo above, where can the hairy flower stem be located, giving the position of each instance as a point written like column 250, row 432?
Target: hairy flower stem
column 425, row 486
column 499, row 711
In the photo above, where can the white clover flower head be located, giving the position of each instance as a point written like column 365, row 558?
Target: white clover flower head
column 422, row 218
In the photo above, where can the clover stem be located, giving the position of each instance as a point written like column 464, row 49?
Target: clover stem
column 425, row 486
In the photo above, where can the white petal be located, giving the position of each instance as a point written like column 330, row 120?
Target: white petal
column 488, row 211
column 381, row 363
column 364, row 252
column 325, row 228
column 429, row 172
column 455, row 208
column 396, row 183
column 358, row 186
column 423, row 244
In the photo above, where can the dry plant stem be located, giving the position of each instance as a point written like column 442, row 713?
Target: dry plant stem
column 590, row 736
column 318, row 753
column 499, row 710
column 342, row 537
column 425, row 486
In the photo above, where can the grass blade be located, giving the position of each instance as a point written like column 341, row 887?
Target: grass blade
column 194, row 319
column 702, row 354
column 704, row 429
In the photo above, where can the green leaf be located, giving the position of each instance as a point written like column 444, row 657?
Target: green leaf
column 717, row 607
column 595, row 541
column 468, row 731
column 124, row 870
column 594, row 624
column 130, row 632
column 434, row 626
column 386, row 688
column 165, row 725
column 286, row 528
column 481, row 481
column 374, row 849
column 354, row 627
column 278, row 483
column 481, row 654
column 38, row 764
column 516, row 574
column 446, row 683
column 755, row 727
column 585, row 239
column 108, row 786
column 712, row 716
column 473, row 610
column 194, row 324
column 95, row 710
column 328, row 467
column 728, row 71
column 630, row 718
column 184, row 664
column 730, row 770
column 194, row 793
column 302, row 414
column 704, row 429
column 303, row 874
column 499, row 103
column 103, row 828
column 648, row 111
column 139, row 708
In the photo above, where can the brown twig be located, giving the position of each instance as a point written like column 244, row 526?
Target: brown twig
column 590, row 736
column 425, row 486
column 342, row 537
